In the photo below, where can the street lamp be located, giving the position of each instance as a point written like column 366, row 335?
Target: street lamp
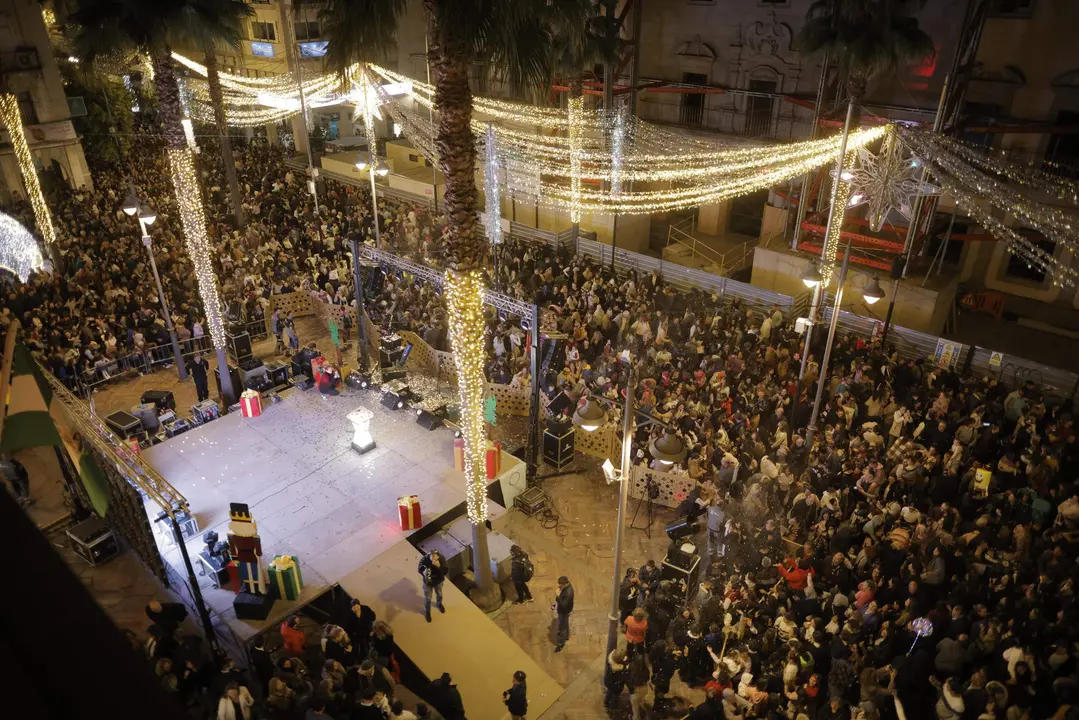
column 812, row 278
column 871, row 294
column 668, row 450
column 873, row 291
column 146, row 218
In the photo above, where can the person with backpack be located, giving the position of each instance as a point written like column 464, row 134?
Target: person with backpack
column 433, row 572
column 521, row 572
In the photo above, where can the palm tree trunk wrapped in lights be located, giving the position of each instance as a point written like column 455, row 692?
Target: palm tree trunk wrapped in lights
column 11, row 117
column 192, row 212
column 468, row 254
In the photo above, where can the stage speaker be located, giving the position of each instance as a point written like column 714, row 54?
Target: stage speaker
column 559, row 404
column 393, row 401
column 427, row 420
column 278, row 373
column 249, row 606
column 161, row 399
column 302, row 382
column 558, row 446
column 682, row 527
column 687, row 580
column 240, row 345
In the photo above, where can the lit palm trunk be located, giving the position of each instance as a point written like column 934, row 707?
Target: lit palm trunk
column 468, row 254
column 191, row 209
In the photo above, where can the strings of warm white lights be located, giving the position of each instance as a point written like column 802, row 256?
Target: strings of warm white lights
column 11, row 117
column 464, row 301
column 998, row 162
column 618, row 139
column 976, row 192
column 835, row 225
column 199, row 249
column 560, row 157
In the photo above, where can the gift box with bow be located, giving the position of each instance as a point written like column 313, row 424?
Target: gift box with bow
column 409, row 508
column 250, row 404
column 285, row 578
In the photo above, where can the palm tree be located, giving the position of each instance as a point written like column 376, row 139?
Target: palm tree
column 104, row 27
column 513, row 36
column 582, row 40
column 865, row 38
column 224, row 145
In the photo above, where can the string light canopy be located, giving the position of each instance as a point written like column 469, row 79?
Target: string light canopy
column 558, row 158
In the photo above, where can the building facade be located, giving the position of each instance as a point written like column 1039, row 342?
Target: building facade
column 28, row 70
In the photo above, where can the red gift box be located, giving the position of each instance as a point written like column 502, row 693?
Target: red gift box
column 459, row 454
column 494, row 460
column 250, row 404
column 316, row 367
column 409, row 508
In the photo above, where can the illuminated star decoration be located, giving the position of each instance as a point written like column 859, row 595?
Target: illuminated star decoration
column 19, row 251
column 888, row 181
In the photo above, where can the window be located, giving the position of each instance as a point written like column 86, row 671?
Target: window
column 1011, row 8
column 1017, row 266
column 759, row 108
column 308, row 30
column 693, row 103
column 263, row 31
column 26, row 108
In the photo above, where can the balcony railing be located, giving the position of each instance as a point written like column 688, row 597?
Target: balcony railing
column 729, row 121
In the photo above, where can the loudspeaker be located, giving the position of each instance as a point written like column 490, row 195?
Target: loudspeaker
column 687, row 579
column 161, row 399
column 559, row 404
column 682, row 527
column 558, row 446
column 237, row 384
column 278, row 373
column 240, row 346
column 249, row 606
column 390, row 357
column 428, row 420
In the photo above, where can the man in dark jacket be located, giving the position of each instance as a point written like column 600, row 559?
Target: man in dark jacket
column 515, row 698
column 443, row 695
column 433, row 572
column 563, row 605
column 197, row 367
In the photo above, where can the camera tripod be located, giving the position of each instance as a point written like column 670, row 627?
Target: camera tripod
column 651, row 492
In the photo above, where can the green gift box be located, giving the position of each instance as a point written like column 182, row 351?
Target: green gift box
column 285, row 579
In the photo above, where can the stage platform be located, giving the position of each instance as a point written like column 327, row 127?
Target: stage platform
column 311, row 494
column 463, row 642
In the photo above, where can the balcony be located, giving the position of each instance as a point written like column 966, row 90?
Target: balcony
column 761, row 122
column 25, row 59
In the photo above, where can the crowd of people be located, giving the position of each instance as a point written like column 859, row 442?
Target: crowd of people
column 917, row 557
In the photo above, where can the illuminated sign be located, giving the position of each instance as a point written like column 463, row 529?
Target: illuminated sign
column 262, row 49
column 313, row 49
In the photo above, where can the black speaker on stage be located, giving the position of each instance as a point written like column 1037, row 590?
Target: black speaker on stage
column 237, row 381
column 687, row 579
column 558, row 445
column 559, row 404
column 428, row 420
column 249, row 606
column 239, row 345
column 682, row 527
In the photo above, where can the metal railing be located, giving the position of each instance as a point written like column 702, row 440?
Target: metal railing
column 145, row 362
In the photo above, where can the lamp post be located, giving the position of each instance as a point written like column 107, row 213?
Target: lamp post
column 871, row 294
column 374, row 168
column 146, row 217
column 667, row 450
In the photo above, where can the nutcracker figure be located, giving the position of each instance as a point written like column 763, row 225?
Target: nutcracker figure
column 245, row 547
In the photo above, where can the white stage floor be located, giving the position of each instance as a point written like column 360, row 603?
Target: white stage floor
column 311, row 494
